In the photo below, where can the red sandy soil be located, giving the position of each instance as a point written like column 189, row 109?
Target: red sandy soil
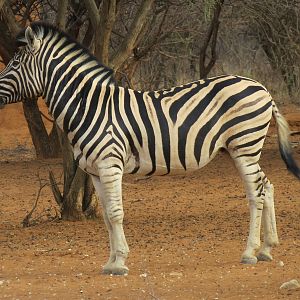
column 186, row 233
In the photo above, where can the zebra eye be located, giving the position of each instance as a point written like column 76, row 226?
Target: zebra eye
column 15, row 63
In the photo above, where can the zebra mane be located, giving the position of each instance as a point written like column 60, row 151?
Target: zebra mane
column 42, row 29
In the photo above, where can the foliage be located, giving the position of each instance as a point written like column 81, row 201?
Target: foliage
column 276, row 26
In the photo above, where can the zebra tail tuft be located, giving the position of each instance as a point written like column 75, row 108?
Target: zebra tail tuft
column 284, row 142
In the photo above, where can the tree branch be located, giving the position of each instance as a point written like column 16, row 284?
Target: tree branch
column 211, row 37
column 129, row 42
column 93, row 12
column 55, row 189
column 27, row 12
column 61, row 18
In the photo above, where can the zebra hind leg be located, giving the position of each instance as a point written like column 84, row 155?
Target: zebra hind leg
column 269, row 223
column 251, row 174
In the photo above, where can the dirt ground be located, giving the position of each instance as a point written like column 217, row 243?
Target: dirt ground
column 186, row 233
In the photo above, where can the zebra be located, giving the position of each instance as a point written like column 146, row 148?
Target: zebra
column 115, row 130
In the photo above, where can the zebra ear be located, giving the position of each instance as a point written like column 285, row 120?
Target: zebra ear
column 31, row 39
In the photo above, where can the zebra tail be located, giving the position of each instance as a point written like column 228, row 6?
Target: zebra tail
column 284, row 142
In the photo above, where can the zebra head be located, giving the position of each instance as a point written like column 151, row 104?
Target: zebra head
column 20, row 79
column 49, row 63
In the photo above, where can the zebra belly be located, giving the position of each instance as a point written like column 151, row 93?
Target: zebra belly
column 144, row 165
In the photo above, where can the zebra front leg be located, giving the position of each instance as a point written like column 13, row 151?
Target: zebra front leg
column 269, row 225
column 99, row 190
column 111, row 186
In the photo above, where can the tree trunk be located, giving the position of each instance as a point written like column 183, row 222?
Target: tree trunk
column 45, row 146
column 78, row 200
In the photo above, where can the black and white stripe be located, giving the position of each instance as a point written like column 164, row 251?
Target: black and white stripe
column 115, row 130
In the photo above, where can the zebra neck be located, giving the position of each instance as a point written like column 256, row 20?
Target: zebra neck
column 68, row 85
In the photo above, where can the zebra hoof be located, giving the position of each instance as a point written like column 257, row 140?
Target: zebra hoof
column 263, row 256
column 249, row 259
column 115, row 270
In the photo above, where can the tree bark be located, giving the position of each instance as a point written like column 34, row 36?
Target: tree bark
column 107, row 20
column 1, row 3
column 93, row 12
column 61, row 19
column 38, row 132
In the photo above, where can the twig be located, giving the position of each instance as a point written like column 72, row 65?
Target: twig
column 55, row 189
column 26, row 220
column 48, row 119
